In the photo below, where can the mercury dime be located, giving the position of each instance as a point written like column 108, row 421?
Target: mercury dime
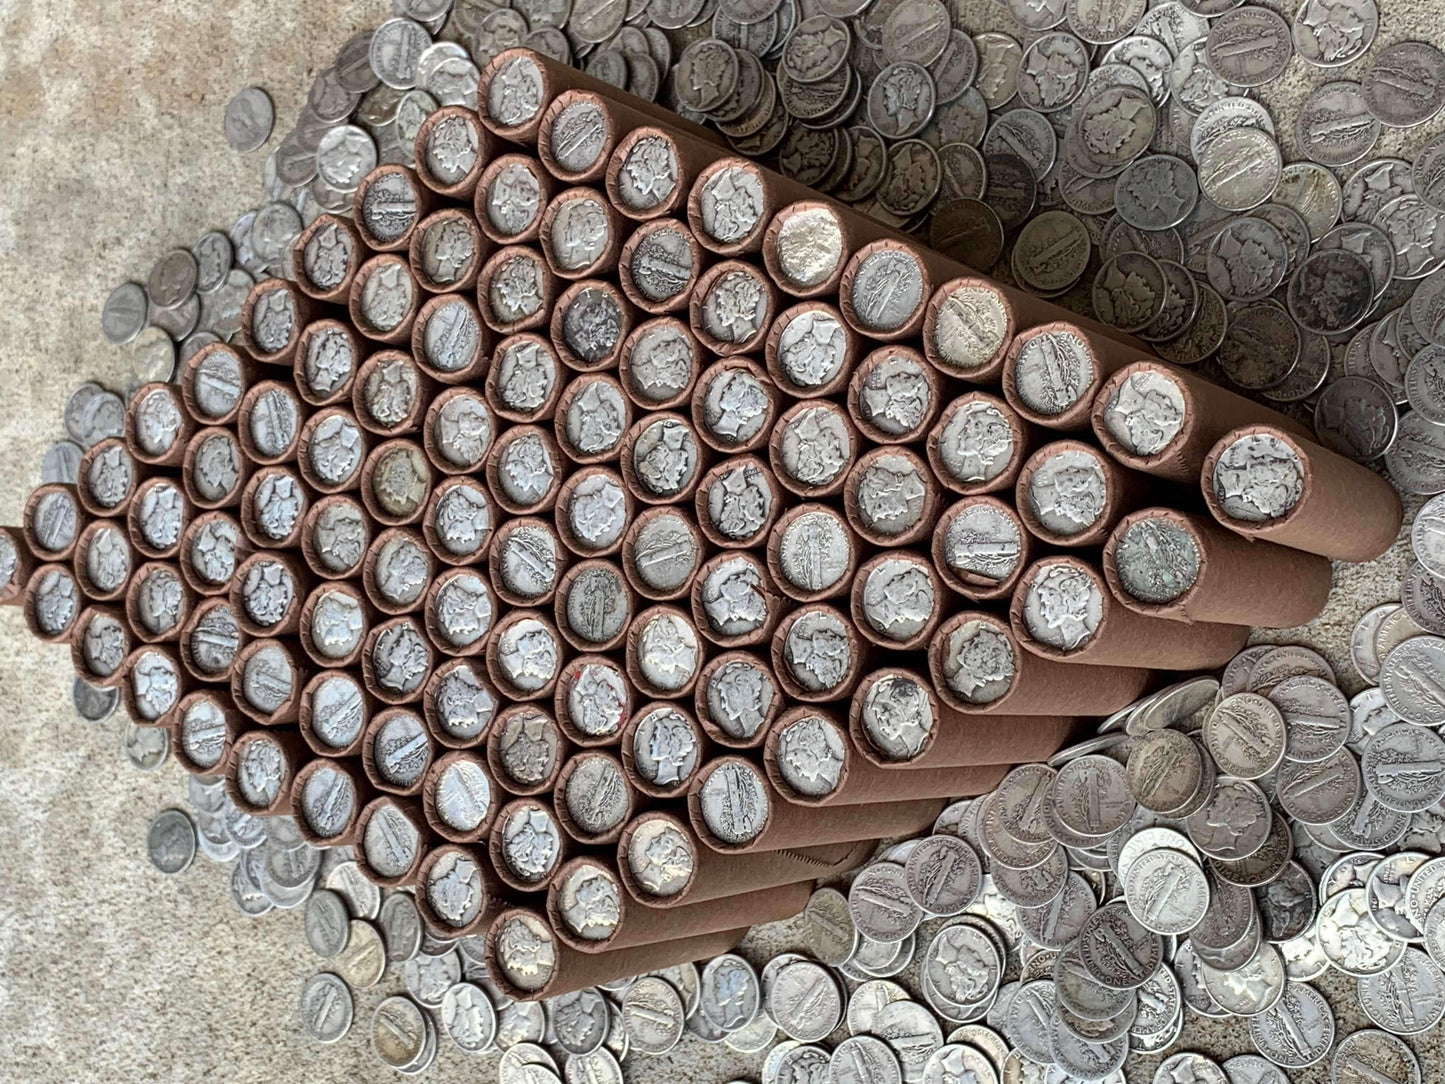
column 1373, row 1057
column 1406, row 84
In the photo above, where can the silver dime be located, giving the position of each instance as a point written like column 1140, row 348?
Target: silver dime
column 171, row 841
column 326, row 1007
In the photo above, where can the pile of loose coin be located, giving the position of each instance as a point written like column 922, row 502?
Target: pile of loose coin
column 367, row 485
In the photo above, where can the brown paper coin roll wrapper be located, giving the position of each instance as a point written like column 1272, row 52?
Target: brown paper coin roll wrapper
column 250, row 517
column 495, row 845
column 475, row 366
column 1239, row 582
column 563, row 810
column 245, row 433
column 778, row 191
column 493, row 550
column 429, row 783
column 563, row 593
column 194, row 529
column 858, row 656
column 133, row 590
column 555, row 326
column 308, row 613
column 606, row 261
column 560, row 697
column 235, row 726
column 573, row 970
column 133, row 518
column 463, row 279
column 360, row 398
column 624, row 364
column 858, row 606
column 700, row 700
column 1023, row 436
column 717, row 371
column 30, row 535
column 42, row 577
column 970, row 585
column 544, row 411
column 301, row 581
column 634, row 669
column 568, row 396
column 361, row 791
column 860, row 376
column 368, row 667
column 819, row 279
column 641, row 925
column 628, row 750
column 493, row 892
column 337, row 294
column 932, row 499
column 907, row 328
column 688, row 158
column 302, row 311
column 77, row 644
column 493, row 476
column 546, row 283
column 411, row 810
column 94, row 504
column 775, row 604
column 551, row 79
column 289, row 710
column 431, row 714
column 432, row 442
column 1105, row 354
column 202, row 609
column 481, row 202
column 958, row 740
column 400, row 331
column 697, row 308
column 308, row 469
column 863, row 783
column 307, row 714
column 986, row 354
column 12, row 589
column 499, row 679
column 563, row 508
column 173, row 455
column 1210, row 412
column 294, row 754
column 432, row 622
column 127, row 685
column 851, row 349
column 486, row 151
column 497, row 731
column 790, row 826
column 191, row 373
column 775, row 555
column 368, row 571
column 188, row 469
column 715, row 477
column 1124, row 490
column 627, row 273
column 358, row 346
column 379, row 455
column 1345, row 512
column 629, row 550
column 1040, row 686
column 775, row 450
column 79, row 560
column 1126, row 638
column 718, row 876
column 311, row 546
column 368, row 752
column 422, row 199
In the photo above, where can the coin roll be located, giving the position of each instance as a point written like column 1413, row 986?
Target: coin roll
column 1121, row 491
column 916, row 519
column 787, row 825
column 456, row 315
column 447, row 251
column 159, row 438
column 860, row 782
column 503, row 278
column 996, row 562
column 492, row 890
column 316, row 253
column 572, row 970
column 286, row 752
column 385, row 309
column 1234, row 580
column 818, row 618
column 641, row 925
column 806, row 246
column 537, row 812
column 407, row 853
column 311, row 630
column 387, row 206
column 17, row 562
column 880, row 587
column 1033, row 685
column 562, row 800
column 103, row 560
column 335, row 536
column 801, row 573
column 560, row 231
column 595, row 684
column 283, row 677
column 307, row 715
column 453, row 126
column 714, row 875
column 215, row 470
column 1120, row 636
column 646, row 249
column 233, row 724
column 1345, row 511
column 649, row 173
column 361, row 793
column 739, row 582
column 212, row 546
column 153, row 683
column 1072, row 362
column 272, row 569
column 109, row 477
column 768, row 192
column 543, row 746
column 968, row 327
column 985, row 474
column 93, row 622
column 1188, row 415
column 460, row 678
column 954, row 739
column 153, row 584
column 272, row 319
column 446, row 767
column 420, row 743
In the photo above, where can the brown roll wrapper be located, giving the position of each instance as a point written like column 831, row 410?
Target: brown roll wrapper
column 432, row 443
column 436, row 631
column 429, row 801
column 1023, row 436
column 972, row 586
column 606, row 261
column 464, row 279
column 307, row 714
column 245, row 433
column 789, row 826
column 359, row 253
column 627, row 748
column 422, row 198
column 307, row 468
column 476, row 365
column 90, row 503
column 203, row 607
column 1126, row 638
column 1240, row 582
column 188, row 470
column 127, row 687
column 28, row 602
column 567, row 397
column 624, row 364
column 301, row 580
column 987, row 370
column 289, row 710
column 497, row 765
column 909, row 328
column 860, row 376
column 543, row 413
column 958, row 740
column 714, row 477
column 308, row 613
column 716, row 371
column 487, row 146
column 342, row 395
column 775, row 450
column 1040, row 686
column 368, row 753
column 858, row 654
column 555, row 327
column 778, row 192
column 311, row 545
column 191, row 370
column 1346, row 511
column 562, row 594
column 564, row 506
column 545, row 280
column 302, row 307
column 629, row 550
column 368, row 665
column 431, row 715
column 824, row 283
column 1124, row 490
column 32, row 544
column 851, row 349
column 495, row 847
column 133, row 519
column 493, row 550
column 77, row 645
column 775, row 555
column 293, row 755
column 689, row 157
column 79, row 560
column 368, row 571
column 700, row 705
column 560, row 697
column 363, row 794
column 14, row 587
column 360, row 398
column 563, row 811
column 774, row 602
column 858, row 609
column 697, row 306
column 235, row 726
column 411, row 810
column 697, row 258
column 199, row 583
column 492, row 889
column 400, row 332
column 634, row 670
column 716, row 875
column 132, row 602
column 250, row 517
column 1106, row 354
column 482, row 198
column 1210, row 411
column 369, row 498
column 575, row 970
column 933, row 497
column 177, row 451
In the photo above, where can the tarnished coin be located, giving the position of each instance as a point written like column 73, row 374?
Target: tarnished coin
column 171, row 841
column 326, row 1007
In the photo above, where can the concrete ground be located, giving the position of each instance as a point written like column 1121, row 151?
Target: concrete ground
column 111, row 118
